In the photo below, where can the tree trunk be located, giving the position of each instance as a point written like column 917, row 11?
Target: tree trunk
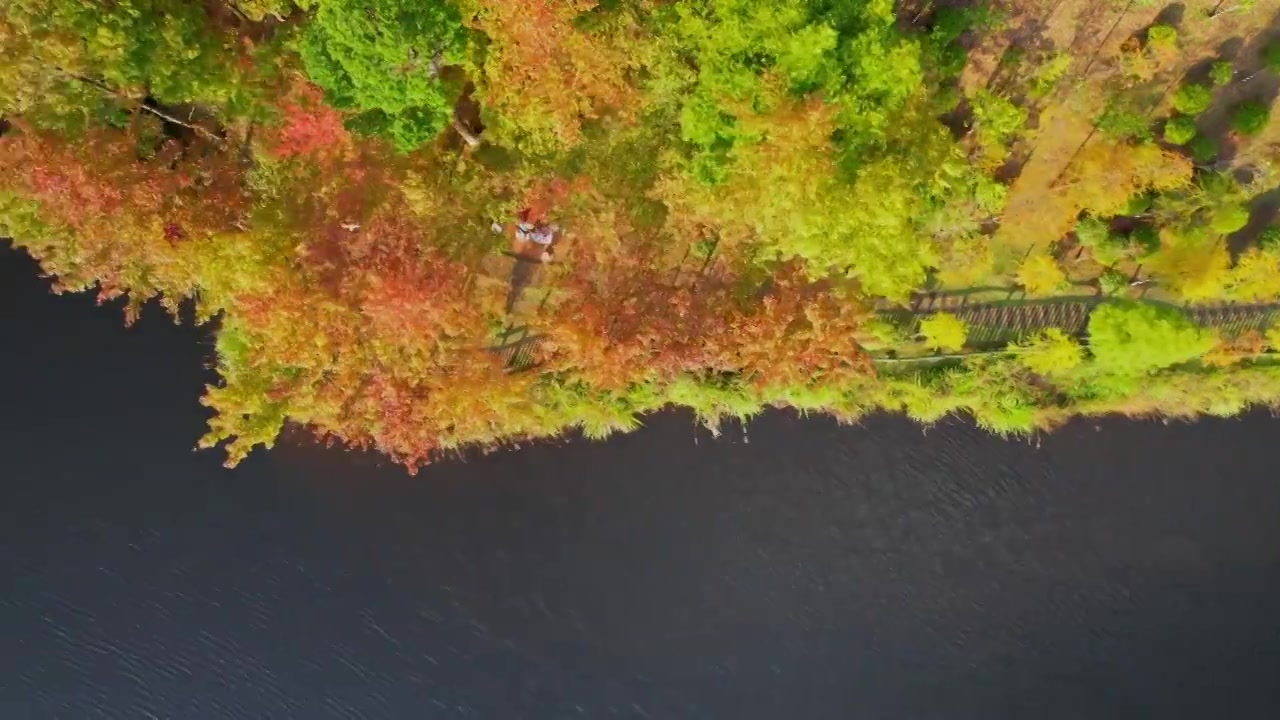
column 470, row 138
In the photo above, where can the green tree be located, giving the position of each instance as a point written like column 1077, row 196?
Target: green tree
column 1250, row 117
column 1229, row 218
column 1179, row 130
column 1221, row 72
column 69, row 64
column 1192, row 99
column 1269, row 238
column 1124, row 123
column 1162, row 38
column 1256, row 276
column 382, row 58
column 1132, row 338
column 1203, row 149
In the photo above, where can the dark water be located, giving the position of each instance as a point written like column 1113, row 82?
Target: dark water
column 815, row 572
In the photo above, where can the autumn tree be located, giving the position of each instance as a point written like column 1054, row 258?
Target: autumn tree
column 129, row 226
column 308, row 127
column 549, row 66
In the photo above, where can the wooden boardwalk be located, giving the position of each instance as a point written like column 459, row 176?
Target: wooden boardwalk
column 997, row 323
column 992, row 325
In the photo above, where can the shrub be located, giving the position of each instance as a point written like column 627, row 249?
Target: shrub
column 1131, row 338
column 1179, row 130
column 1113, row 282
column 1221, row 72
column 1203, row 149
column 1192, row 99
column 1250, row 117
column 944, row 331
column 1162, row 38
column 1106, row 247
column 1124, row 124
column 1092, row 232
column 996, row 119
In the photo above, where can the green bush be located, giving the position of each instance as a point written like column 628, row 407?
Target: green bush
column 1203, row 149
column 1092, row 232
column 996, row 119
column 1113, row 282
column 1106, row 247
column 1130, row 338
column 1162, row 37
column 1179, row 130
column 1221, row 72
column 1192, row 99
column 1250, row 117
column 1125, row 124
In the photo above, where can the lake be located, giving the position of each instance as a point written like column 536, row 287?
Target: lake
column 798, row 569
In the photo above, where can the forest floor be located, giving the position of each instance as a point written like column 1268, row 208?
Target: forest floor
column 1096, row 36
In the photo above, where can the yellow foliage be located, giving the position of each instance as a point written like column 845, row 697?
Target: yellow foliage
column 1107, row 173
column 1052, row 351
column 1040, row 275
column 965, row 261
column 1273, row 336
column 944, row 331
column 544, row 74
column 1194, row 266
column 783, row 194
column 1256, row 276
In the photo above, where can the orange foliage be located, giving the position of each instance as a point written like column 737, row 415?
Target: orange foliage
column 309, row 126
column 78, row 183
column 629, row 319
column 540, row 199
column 128, row 219
column 545, row 74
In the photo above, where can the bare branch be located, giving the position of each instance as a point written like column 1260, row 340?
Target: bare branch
column 107, row 90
